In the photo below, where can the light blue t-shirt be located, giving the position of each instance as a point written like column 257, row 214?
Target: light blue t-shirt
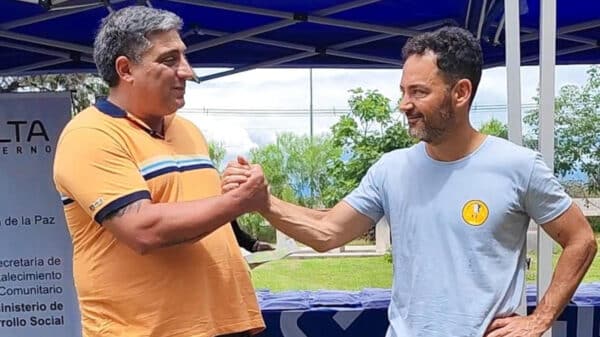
column 458, row 232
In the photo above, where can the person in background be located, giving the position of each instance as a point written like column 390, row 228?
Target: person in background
column 246, row 240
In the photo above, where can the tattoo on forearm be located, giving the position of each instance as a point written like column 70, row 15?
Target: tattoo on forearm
column 134, row 207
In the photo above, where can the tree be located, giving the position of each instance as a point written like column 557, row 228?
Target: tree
column 494, row 127
column 577, row 129
column 84, row 87
column 216, row 152
column 370, row 129
column 296, row 168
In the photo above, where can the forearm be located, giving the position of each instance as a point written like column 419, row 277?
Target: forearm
column 570, row 269
column 159, row 225
column 184, row 221
column 303, row 224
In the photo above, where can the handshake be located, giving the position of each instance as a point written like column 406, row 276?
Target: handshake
column 246, row 183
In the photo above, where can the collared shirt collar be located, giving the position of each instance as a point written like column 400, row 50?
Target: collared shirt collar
column 111, row 109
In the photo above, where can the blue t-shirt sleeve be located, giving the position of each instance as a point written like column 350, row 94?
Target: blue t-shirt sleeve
column 545, row 198
column 367, row 197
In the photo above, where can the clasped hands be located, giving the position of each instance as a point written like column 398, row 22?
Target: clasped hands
column 247, row 183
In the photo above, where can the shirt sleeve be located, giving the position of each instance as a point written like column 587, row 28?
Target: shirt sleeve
column 367, row 198
column 244, row 239
column 545, row 198
column 94, row 170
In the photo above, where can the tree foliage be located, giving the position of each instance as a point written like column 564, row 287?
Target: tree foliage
column 370, row 129
column 84, row 87
column 494, row 127
column 216, row 152
column 296, row 167
column 577, row 129
column 255, row 225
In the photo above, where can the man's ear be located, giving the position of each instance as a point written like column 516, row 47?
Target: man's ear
column 463, row 91
column 123, row 68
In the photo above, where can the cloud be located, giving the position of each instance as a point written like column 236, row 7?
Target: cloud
column 255, row 89
column 266, row 102
column 289, row 88
column 231, row 134
column 492, row 88
column 331, row 86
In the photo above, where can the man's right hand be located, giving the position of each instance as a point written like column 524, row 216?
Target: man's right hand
column 246, row 182
column 236, row 173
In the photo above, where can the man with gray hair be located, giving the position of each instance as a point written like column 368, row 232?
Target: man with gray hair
column 153, row 251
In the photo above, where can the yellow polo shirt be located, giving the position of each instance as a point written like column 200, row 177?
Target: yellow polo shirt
column 107, row 158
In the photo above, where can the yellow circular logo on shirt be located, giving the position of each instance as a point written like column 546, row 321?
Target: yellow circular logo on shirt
column 475, row 212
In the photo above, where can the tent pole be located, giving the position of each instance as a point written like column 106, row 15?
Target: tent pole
column 513, row 70
column 512, row 45
column 310, row 75
column 546, row 127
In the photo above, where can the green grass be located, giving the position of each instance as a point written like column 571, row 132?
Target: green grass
column 592, row 275
column 351, row 273
column 360, row 242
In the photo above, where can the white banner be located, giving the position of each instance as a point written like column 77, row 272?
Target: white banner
column 37, row 297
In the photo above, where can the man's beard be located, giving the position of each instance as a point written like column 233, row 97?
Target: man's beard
column 433, row 129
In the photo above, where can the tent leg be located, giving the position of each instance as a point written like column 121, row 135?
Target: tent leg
column 512, row 43
column 546, row 127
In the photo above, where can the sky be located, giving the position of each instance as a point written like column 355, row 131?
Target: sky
column 247, row 110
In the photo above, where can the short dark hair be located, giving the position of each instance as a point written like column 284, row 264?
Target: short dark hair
column 457, row 51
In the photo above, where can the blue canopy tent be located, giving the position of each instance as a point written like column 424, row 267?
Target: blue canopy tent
column 56, row 36
column 246, row 34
